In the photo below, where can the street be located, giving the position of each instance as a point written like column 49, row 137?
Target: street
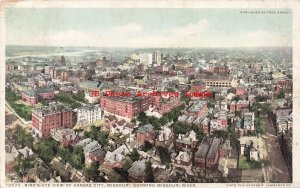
column 277, row 171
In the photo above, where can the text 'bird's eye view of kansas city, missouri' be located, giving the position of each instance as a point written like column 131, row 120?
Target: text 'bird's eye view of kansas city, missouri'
column 148, row 95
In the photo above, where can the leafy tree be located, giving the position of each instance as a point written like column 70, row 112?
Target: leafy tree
column 133, row 121
column 164, row 155
column 236, row 98
column 252, row 133
column 23, row 165
column 102, row 138
column 221, row 134
column 164, row 120
column 149, row 175
column 64, row 153
column 47, row 149
column 77, row 157
column 92, row 172
column 127, row 164
column 147, row 146
column 198, row 132
column 134, row 155
column 261, row 127
column 180, row 128
column 23, row 138
column 281, row 95
column 80, row 96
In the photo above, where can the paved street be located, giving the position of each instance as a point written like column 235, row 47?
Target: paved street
column 278, row 171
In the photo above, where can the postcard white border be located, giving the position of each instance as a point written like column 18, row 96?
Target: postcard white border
column 293, row 5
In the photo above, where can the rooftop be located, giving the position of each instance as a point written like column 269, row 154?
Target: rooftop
column 197, row 106
column 145, row 128
column 54, row 107
column 137, row 168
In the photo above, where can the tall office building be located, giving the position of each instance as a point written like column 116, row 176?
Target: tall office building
column 157, row 57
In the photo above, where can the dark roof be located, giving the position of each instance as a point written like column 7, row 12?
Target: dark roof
column 44, row 90
column 139, row 77
column 199, row 83
column 137, row 168
column 30, row 93
column 9, row 119
column 213, row 148
column 121, row 122
column 98, row 151
column 203, row 148
column 112, row 118
column 145, row 128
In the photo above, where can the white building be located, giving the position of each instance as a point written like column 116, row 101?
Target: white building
column 88, row 114
column 157, row 58
column 146, row 59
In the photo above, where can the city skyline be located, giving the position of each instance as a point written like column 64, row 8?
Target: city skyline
column 147, row 28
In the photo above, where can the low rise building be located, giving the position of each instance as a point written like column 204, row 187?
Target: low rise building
column 136, row 173
column 55, row 115
column 88, row 114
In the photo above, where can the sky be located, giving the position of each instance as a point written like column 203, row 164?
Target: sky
column 147, row 27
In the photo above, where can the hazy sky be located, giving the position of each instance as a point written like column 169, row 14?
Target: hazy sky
column 146, row 28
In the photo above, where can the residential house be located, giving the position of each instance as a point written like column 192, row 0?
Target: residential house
column 187, row 141
column 145, row 133
column 136, row 173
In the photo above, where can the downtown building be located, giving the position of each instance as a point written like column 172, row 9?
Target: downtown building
column 55, row 115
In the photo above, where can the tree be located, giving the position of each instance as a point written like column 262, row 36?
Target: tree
column 92, row 172
column 127, row 164
column 221, row 134
column 77, row 157
column 164, row 120
column 102, row 138
column 147, row 146
column 47, row 149
column 198, row 132
column 281, row 95
column 133, row 121
column 23, row 138
column 180, row 128
column 164, row 155
column 149, row 176
column 64, row 153
column 261, row 127
column 23, row 165
column 134, row 155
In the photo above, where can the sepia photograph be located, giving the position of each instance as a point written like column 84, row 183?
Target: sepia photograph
column 183, row 94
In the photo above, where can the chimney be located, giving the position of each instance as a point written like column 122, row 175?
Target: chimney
column 26, row 153
column 123, row 151
column 54, row 173
column 115, row 157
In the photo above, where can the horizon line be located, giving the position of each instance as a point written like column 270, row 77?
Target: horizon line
column 67, row 46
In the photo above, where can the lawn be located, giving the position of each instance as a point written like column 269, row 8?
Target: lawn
column 245, row 164
column 24, row 111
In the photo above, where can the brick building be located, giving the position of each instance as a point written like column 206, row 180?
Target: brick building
column 241, row 90
column 197, row 109
column 207, row 156
column 136, row 173
column 128, row 107
column 32, row 97
column 45, row 118
column 198, row 86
